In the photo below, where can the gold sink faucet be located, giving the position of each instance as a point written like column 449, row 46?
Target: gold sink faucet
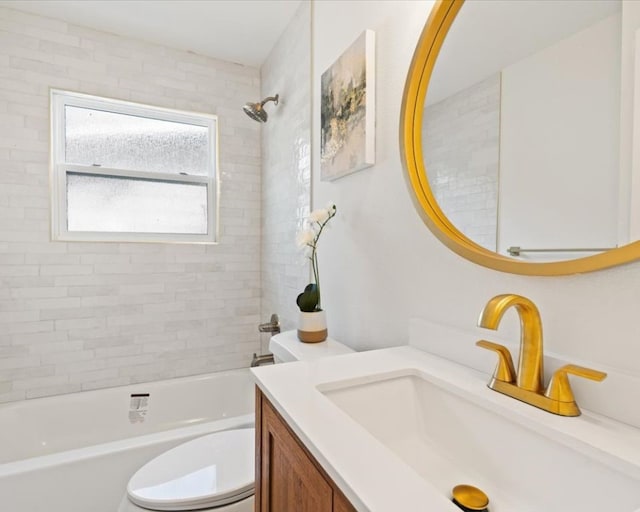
column 527, row 384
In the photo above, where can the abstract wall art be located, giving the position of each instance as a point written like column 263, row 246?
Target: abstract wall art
column 347, row 111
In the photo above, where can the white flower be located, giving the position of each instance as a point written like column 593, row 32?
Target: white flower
column 319, row 215
column 305, row 238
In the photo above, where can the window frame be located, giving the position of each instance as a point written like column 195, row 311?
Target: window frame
column 59, row 169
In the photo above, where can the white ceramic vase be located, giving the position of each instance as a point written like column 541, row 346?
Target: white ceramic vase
column 312, row 327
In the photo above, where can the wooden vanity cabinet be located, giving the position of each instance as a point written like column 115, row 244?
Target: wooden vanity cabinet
column 288, row 478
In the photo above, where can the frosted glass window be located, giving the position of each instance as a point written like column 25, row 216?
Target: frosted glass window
column 122, row 141
column 110, row 204
column 129, row 172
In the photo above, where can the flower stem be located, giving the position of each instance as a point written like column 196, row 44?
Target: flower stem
column 317, row 278
column 314, row 256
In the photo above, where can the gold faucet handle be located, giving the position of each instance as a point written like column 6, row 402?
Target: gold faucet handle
column 504, row 371
column 559, row 387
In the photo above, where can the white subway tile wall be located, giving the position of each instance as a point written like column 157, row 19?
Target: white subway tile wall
column 286, row 162
column 77, row 316
column 461, row 141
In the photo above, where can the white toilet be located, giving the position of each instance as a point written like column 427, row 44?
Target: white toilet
column 214, row 472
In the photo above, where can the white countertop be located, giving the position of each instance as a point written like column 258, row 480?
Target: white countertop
column 368, row 473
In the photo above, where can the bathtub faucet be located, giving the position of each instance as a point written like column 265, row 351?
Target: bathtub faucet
column 259, row 360
column 272, row 326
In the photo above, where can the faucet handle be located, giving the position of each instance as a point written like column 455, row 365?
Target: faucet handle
column 505, row 371
column 559, row 387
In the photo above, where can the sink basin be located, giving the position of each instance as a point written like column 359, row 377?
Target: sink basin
column 449, row 437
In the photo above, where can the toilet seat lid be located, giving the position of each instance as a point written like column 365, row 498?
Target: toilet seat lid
column 213, row 470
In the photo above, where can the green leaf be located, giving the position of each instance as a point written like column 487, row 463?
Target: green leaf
column 308, row 300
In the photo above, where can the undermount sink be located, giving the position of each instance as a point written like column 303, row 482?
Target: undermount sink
column 449, row 436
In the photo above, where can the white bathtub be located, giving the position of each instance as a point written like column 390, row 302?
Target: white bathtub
column 75, row 453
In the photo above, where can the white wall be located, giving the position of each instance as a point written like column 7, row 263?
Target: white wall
column 630, row 123
column 286, row 169
column 559, row 144
column 382, row 266
column 77, row 316
column 634, row 209
column 629, row 228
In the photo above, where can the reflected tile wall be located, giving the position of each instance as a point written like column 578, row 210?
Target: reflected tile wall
column 286, row 168
column 461, row 141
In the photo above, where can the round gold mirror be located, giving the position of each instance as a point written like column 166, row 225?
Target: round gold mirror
column 517, row 132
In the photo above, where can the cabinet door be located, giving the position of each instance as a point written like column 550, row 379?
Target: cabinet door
column 340, row 503
column 290, row 482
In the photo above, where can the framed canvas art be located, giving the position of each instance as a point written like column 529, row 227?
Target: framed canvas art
column 347, row 111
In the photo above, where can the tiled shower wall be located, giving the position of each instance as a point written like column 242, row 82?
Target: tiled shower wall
column 461, row 141
column 286, row 161
column 76, row 316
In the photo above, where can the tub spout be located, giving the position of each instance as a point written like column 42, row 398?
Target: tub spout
column 259, row 360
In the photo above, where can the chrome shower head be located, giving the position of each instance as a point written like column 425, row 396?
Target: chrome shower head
column 256, row 111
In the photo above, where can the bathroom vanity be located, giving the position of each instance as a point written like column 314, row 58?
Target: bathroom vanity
column 398, row 428
column 287, row 476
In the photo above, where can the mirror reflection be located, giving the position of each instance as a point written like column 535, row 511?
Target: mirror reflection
column 528, row 126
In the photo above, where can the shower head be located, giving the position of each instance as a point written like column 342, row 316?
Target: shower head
column 256, row 111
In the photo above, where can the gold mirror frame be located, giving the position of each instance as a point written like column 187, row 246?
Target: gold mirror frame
column 442, row 16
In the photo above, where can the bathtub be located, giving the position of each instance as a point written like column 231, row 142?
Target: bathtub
column 76, row 452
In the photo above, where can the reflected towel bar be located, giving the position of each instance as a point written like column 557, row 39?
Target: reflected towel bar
column 515, row 250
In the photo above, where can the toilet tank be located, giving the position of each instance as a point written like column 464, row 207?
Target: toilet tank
column 286, row 347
